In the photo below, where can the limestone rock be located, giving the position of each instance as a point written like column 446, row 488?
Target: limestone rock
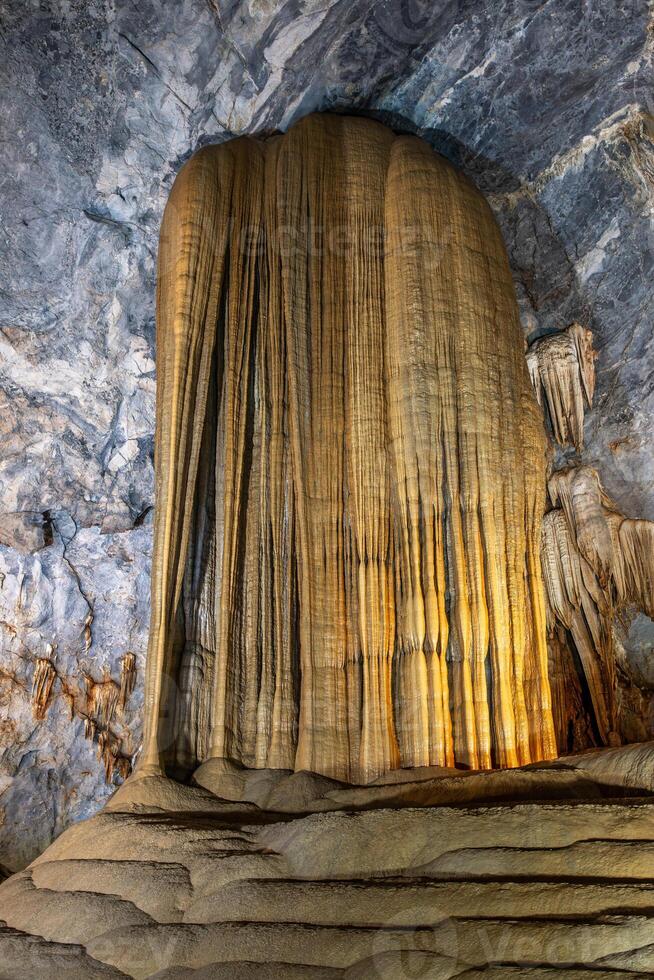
column 70, row 614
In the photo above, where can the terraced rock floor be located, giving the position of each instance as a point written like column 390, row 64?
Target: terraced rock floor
column 173, row 882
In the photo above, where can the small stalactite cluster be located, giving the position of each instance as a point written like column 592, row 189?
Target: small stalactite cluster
column 102, row 700
column 562, row 370
column 110, row 752
column 597, row 564
column 350, row 467
column 97, row 704
column 42, row 684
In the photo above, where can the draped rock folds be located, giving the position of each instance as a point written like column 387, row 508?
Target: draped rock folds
column 596, row 564
column 562, row 369
column 350, row 467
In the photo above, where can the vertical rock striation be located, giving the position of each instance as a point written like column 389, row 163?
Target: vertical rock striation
column 350, row 467
column 42, row 682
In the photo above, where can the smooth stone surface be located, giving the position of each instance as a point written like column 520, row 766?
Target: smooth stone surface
column 596, row 774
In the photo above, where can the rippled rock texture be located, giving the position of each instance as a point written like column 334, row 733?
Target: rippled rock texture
column 171, row 881
column 545, row 105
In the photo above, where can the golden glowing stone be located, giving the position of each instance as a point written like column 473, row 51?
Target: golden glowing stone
column 350, row 467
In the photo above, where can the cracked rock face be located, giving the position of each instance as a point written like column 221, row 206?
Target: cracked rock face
column 547, row 108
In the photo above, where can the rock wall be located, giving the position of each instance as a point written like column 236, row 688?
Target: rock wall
column 547, row 106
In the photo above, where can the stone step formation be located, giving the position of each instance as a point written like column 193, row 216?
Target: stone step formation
column 173, row 882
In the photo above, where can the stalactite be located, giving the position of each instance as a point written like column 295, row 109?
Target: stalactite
column 578, row 491
column 350, row 467
column 69, row 698
column 562, row 369
column 620, row 550
column 42, row 683
column 109, row 753
column 127, row 679
column 577, row 601
column 88, row 632
column 633, row 547
column 101, row 698
column 596, row 562
column 97, row 706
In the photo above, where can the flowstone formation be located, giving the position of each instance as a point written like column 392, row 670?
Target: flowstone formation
column 350, row 467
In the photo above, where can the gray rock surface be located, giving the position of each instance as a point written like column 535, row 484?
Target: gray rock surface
column 547, row 105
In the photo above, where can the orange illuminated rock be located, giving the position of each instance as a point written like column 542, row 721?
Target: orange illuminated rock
column 350, row 467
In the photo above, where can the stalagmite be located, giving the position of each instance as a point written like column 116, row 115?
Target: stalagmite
column 350, row 467
column 562, row 369
column 42, row 682
column 595, row 563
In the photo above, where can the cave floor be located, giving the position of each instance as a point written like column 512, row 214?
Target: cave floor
column 388, row 881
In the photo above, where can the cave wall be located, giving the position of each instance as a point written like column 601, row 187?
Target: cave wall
column 547, row 106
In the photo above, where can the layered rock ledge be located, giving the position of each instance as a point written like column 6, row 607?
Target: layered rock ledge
column 173, row 881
